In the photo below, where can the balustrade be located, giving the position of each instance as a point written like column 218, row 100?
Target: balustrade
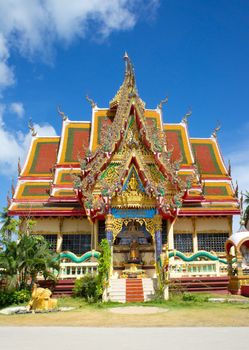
column 179, row 268
column 77, row 270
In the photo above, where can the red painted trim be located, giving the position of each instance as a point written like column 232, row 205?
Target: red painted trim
column 68, row 166
column 35, row 177
column 208, row 212
column 46, row 213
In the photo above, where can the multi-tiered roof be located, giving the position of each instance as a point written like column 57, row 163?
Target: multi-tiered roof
column 89, row 168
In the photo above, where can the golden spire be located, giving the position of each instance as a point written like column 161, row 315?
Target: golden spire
column 129, row 83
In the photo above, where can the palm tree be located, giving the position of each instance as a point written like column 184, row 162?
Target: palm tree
column 246, row 212
column 22, row 261
column 9, row 224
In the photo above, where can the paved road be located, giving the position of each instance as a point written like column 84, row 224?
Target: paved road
column 66, row 338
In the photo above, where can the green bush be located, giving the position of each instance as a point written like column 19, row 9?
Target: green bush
column 14, row 297
column 86, row 287
column 194, row 297
column 21, row 296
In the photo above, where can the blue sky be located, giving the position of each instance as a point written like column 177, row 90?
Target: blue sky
column 54, row 52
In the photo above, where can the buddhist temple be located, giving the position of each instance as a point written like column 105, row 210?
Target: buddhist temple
column 128, row 176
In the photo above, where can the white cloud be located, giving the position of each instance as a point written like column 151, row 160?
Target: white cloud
column 15, row 145
column 17, row 108
column 6, row 72
column 33, row 27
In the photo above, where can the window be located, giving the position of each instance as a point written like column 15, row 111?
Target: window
column 77, row 243
column 183, row 242
column 102, row 233
column 164, row 232
column 52, row 241
column 212, row 241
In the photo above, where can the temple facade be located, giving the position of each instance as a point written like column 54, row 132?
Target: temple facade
column 127, row 176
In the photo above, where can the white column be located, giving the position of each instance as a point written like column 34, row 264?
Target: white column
column 195, row 241
column 170, row 228
column 59, row 242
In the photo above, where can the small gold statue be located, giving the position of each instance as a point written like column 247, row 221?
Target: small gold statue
column 41, row 299
column 134, row 252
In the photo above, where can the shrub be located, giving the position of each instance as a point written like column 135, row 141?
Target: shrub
column 21, row 296
column 86, row 287
column 13, row 297
column 194, row 298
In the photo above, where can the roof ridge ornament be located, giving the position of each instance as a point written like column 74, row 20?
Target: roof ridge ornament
column 186, row 116
column 163, row 102
column 91, row 101
column 62, row 114
column 31, row 128
column 218, row 127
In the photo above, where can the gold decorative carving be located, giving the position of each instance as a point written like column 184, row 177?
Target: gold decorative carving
column 117, row 225
column 109, row 222
column 133, row 197
column 158, row 222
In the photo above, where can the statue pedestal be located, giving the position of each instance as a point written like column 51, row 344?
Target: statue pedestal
column 133, row 270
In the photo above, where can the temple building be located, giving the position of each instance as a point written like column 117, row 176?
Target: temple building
column 128, row 176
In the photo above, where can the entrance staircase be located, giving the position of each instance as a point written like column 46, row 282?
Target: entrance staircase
column 130, row 290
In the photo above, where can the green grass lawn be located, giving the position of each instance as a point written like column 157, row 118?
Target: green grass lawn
column 178, row 312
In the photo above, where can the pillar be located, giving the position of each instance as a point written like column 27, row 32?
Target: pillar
column 59, row 237
column 59, row 243
column 94, row 240
column 158, row 236
column 109, row 236
column 170, row 227
column 195, row 239
column 109, row 228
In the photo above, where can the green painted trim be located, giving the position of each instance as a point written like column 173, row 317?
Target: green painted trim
column 27, row 188
column 201, row 254
column 223, row 189
column 80, row 259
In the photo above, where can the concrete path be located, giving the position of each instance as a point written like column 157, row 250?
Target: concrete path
column 66, row 338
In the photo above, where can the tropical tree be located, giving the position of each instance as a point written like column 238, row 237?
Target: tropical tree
column 9, row 225
column 246, row 212
column 22, row 261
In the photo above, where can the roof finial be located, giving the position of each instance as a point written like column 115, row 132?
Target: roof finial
column 187, row 115
column 218, row 127
column 62, row 114
column 229, row 167
column 91, row 101
column 12, row 187
column 236, row 191
column 8, row 199
column 241, row 201
column 31, row 127
column 19, row 168
column 126, row 59
column 163, row 102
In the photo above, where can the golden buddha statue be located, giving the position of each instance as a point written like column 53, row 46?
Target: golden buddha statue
column 134, row 252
